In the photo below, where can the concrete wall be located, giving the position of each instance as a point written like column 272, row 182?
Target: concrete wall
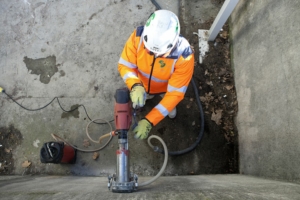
column 265, row 36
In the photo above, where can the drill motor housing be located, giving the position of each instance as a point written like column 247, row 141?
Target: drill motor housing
column 122, row 110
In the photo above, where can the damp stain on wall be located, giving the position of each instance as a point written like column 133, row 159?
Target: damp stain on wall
column 45, row 67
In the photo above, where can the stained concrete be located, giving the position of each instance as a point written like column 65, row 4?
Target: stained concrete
column 67, row 49
column 45, row 67
column 181, row 187
column 74, row 113
column 265, row 37
column 70, row 49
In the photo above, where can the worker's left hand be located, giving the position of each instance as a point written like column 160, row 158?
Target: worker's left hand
column 142, row 129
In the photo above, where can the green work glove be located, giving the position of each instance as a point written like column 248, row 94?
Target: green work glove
column 142, row 129
column 138, row 96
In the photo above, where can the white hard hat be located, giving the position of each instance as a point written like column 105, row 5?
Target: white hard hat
column 161, row 32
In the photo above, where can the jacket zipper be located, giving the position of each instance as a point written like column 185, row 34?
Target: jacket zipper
column 152, row 66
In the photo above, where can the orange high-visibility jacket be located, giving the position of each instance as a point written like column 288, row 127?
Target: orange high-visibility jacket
column 170, row 75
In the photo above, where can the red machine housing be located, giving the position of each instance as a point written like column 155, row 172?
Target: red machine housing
column 122, row 110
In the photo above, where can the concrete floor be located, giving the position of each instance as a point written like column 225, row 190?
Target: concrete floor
column 74, row 41
column 181, row 187
column 49, row 50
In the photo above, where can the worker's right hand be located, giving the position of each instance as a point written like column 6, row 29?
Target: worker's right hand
column 138, row 96
column 142, row 129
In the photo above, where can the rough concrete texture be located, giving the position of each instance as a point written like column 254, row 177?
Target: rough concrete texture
column 265, row 36
column 85, row 42
column 182, row 187
column 169, row 5
column 77, row 46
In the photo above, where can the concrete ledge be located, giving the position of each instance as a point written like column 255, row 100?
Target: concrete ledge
column 180, row 187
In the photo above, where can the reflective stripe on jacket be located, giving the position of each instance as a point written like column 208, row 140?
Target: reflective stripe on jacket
column 170, row 75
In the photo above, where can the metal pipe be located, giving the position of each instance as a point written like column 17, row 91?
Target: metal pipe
column 221, row 18
column 123, row 162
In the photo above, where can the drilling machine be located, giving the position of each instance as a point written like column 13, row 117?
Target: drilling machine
column 122, row 181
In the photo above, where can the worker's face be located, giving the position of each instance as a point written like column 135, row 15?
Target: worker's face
column 158, row 55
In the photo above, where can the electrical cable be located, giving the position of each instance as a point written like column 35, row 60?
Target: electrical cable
column 56, row 137
column 158, row 7
column 200, row 135
column 81, row 105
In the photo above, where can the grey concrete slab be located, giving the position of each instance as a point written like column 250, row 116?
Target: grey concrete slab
column 70, row 49
column 170, row 5
column 181, row 187
column 198, row 11
column 265, row 36
column 79, row 44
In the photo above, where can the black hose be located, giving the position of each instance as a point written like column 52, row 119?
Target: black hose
column 156, row 5
column 200, row 135
column 193, row 146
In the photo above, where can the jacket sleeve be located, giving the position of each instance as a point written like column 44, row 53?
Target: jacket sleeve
column 127, row 65
column 177, row 86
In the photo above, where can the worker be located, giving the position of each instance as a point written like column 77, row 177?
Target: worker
column 156, row 60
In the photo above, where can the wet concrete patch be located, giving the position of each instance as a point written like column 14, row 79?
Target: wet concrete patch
column 45, row 67
column 74, row 113
column 62, row 73
column 10, row 138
